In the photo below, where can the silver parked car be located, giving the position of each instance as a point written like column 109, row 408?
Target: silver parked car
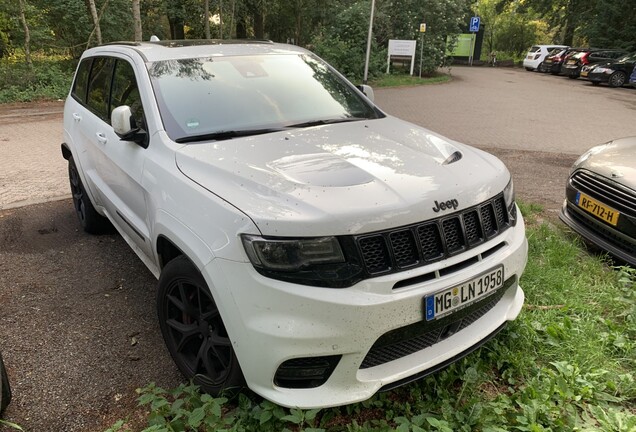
column 600, row 201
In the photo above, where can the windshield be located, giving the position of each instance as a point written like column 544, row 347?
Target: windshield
column 229, row 96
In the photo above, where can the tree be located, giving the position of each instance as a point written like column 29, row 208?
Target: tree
column 206, row 18
column 93, row 11
column 27, row 34
column 137, row 19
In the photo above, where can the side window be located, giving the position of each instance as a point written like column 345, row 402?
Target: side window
column 99, row 86
column 81, row 80
column 126, row 92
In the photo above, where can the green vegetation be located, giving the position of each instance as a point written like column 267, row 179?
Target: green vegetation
column 399, row 80
column 47, row 78
column 566, row 364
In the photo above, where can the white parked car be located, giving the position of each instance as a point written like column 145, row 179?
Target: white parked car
column 536, row 55
column 307, row 245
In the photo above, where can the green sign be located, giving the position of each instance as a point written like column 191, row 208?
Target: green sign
column 462, row 46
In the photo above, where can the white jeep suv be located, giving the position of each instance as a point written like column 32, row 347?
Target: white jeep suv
column 307, row 245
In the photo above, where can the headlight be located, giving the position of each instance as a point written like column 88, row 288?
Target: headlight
column 292, row 254
column 603, row 70
column 331, row 262
column 509, row 198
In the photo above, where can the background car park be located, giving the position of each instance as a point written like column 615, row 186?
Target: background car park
column 615, row 74
column 536, row 55
column 572, row 66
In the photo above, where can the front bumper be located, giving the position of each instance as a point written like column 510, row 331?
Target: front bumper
column 598, row 77
column 271, row 322
column 599, row 233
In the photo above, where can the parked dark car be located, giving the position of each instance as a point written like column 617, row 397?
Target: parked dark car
column 5, row 390
column 600, row 198
column 554, row 60
column 572, row 66
column 615, row 74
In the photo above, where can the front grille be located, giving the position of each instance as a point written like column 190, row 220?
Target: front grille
column 615, row 195
column 420, row 244
column 416, row 337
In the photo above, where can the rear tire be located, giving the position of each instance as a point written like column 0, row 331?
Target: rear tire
column 91, row 221
column 529, row 69
column 194, row 332
column 617, row 79
column 5, row 389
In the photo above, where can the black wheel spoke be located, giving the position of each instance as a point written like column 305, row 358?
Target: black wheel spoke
column 207, row 363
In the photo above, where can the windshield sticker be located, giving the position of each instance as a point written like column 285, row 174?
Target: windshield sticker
column 192, row 123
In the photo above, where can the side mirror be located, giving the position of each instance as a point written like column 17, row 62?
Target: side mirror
column 124, row 126
column 5, row 389
column 368, row 91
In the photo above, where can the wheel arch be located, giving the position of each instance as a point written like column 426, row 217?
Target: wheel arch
column 174, row 239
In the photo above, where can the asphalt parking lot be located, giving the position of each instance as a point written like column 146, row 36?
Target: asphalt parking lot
column 78, row 329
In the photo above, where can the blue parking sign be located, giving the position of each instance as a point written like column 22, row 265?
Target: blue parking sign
column 474, row 24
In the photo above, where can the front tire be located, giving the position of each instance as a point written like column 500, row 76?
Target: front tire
column 194, row 331
column 617, row 79
column 91, row 221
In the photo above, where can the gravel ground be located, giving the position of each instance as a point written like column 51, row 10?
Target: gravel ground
column 78, row 325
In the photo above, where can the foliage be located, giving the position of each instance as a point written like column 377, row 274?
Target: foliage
column 567, row 363
column 49, row 78
column 343, row 44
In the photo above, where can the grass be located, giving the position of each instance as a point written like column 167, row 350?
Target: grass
column 566, row 364
column 399, row 80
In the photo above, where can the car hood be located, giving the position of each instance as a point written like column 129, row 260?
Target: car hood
column 344, row 178
column 615, row 160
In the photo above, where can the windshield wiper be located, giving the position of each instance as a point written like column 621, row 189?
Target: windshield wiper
column 228, row 134
column 325, row 122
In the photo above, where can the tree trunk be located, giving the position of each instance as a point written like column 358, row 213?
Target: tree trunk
column 299, row 13
column 177, row 31
column 206, row 17
column 137, row 20
column 27, row 35
column 98, row 30
column 233, row 17
column 259, row 22
column 221, row 19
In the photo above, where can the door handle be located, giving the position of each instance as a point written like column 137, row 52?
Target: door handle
column 77, row 117
column 101, row 137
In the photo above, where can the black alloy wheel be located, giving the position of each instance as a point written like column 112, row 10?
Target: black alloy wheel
column 617, row 79
column 194, row 331
column 91, row 221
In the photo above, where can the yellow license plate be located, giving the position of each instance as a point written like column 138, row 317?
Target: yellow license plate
column 599, row 210
column 584, row 73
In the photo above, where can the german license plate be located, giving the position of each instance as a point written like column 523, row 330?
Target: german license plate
column 599, row 210
column 453, row 299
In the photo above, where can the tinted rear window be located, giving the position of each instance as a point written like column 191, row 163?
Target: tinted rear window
column 535, row 49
